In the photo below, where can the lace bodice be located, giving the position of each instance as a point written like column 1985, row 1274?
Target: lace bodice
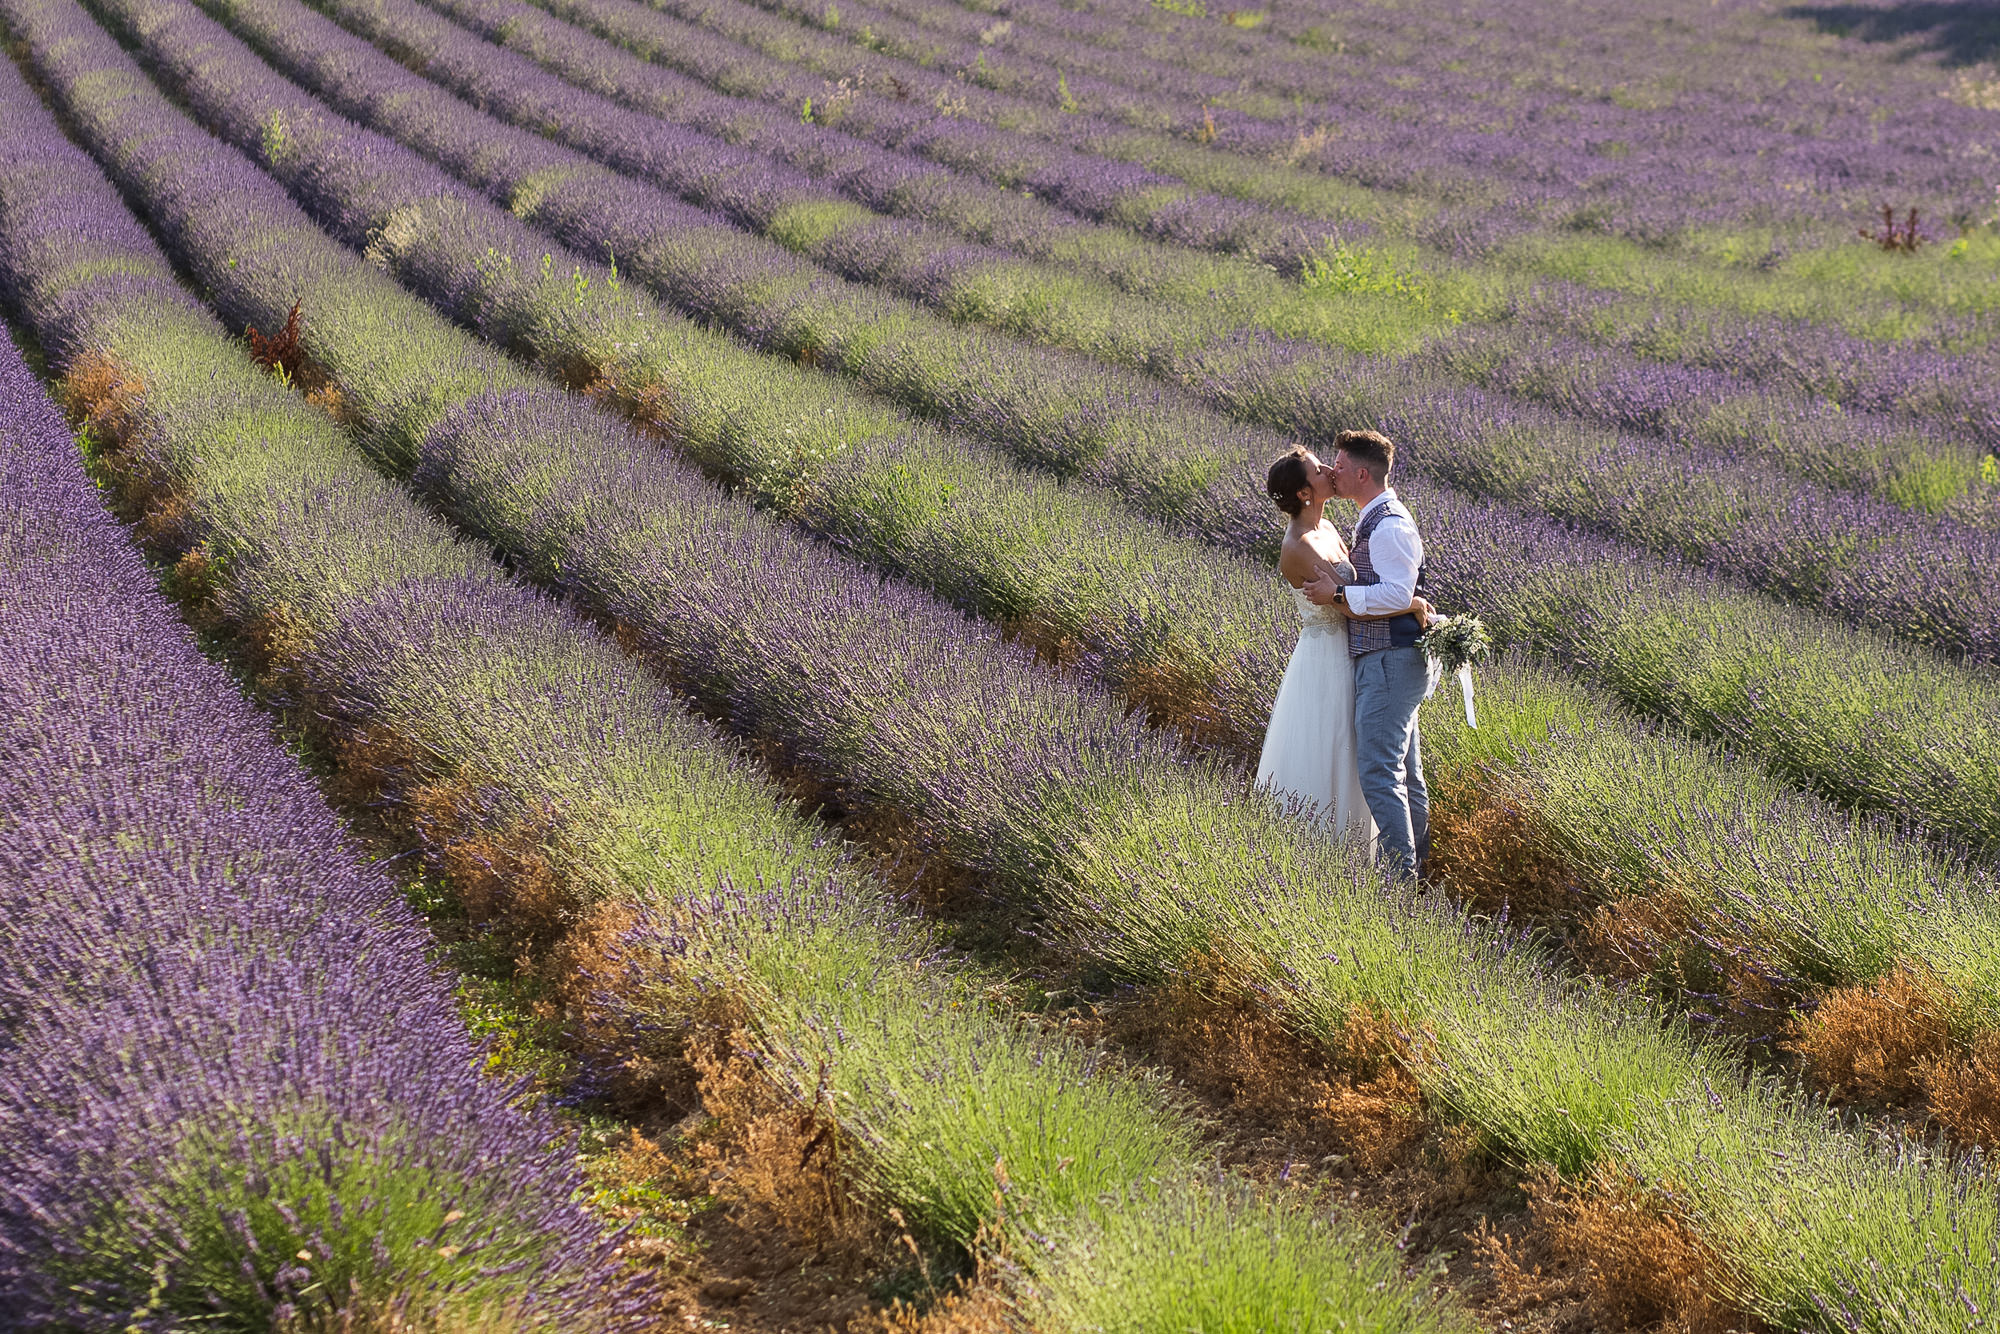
column 1315, row 619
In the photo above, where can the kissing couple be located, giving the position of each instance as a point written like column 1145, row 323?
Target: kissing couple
column 1343, row 735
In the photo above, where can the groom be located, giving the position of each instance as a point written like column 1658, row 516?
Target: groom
column 1390, row 674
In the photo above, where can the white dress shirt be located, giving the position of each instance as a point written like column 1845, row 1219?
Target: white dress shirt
column 1395, row 550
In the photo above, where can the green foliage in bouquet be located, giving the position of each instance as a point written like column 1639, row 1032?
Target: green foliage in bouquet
column 1456, row 642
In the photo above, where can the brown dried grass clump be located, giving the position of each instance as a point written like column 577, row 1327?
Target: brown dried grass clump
column 166, row 520
column 370, row 761
column 1188, row 698
column 1635, row 936
column 625, row 1181
column 1229, row 1043
column 977, row 1310
column 599, row 989
column 106, row 401
column 504, row 876
column 784, row 1162
column 96, row 390
column 1051, row 643
column 1964, row 1093
column 280, row 641
column 501, row 874
column 192, row 578
column 1634, row 1260
column 1514, row 1267
column 652, row 405
column 1375, row 1104
column 1488, row 849
column 328, row 399
column 1875, row 1042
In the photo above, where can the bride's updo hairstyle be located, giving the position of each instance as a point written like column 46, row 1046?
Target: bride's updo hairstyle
column 1287, row 478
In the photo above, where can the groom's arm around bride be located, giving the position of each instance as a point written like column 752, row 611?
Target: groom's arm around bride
column 1390, row 673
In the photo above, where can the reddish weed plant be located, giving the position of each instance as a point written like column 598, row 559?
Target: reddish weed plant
column 282, row 350
column 1892, row 236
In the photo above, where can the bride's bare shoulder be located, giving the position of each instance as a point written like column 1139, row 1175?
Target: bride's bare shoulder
column 1297, row 560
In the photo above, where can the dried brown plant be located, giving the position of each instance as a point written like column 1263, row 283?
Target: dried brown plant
column 1632, row 937
column 1174, row 694
column 100, row 392
column 1890, row 235
column 1374, row 1104
column 639, row 1068
column 976, row 1310
column 783, row 1162
column 1642, row 1265
column 500, row 868
column 1490, row 851
column 328, row 399
column 1524, row 1272
column 1230, row 1043
column 1874, row 1042
column 1964, row 1093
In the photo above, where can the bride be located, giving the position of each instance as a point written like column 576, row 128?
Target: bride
column 1309, row 752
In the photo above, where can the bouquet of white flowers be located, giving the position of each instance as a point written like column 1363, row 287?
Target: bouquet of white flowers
column 1455, row 645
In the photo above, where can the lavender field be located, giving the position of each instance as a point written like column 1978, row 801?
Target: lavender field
column 633, row 635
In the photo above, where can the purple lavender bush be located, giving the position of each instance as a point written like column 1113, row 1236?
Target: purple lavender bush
column 232, row 1089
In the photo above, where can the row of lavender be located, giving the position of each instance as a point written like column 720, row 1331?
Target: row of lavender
column 1664, row 315
column 1913, row 431
column 1221, row 200
column 524, row 733
column 1935, row 462
column 1808, row 364
column 232, row 1090
column 603, row 529
column 1410, row 104
column 1263, row 209
column 1703, row 660
column 1232, row 355
column 1739, row 445
column 1142, row 855
column 1800, row 899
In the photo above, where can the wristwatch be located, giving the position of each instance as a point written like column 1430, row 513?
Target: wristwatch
column 1340, row 594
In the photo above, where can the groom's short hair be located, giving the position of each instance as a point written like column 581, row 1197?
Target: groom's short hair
column 1371, row 449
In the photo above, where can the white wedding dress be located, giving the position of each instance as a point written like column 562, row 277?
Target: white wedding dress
column 1309, row 747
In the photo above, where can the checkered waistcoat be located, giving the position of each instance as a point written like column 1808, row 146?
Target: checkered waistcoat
column 1397, row 631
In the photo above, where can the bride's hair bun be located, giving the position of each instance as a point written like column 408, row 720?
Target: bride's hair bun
column 1288, row 477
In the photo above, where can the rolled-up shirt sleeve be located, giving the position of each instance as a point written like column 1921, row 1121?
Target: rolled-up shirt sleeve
column 1396, row 551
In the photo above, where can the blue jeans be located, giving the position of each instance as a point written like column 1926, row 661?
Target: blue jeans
column 1388, row 686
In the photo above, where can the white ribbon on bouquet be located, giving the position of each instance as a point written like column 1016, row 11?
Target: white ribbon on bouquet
column 1435, row 673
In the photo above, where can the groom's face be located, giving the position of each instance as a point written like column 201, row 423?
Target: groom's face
column 1347, row 475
